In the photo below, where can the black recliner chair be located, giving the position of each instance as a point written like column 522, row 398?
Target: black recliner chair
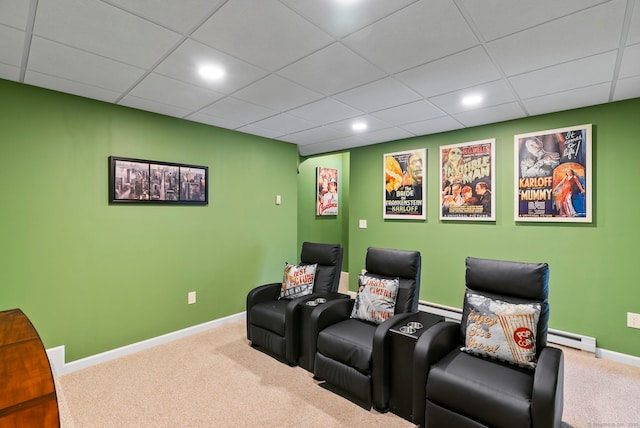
column 454, row 388
column 272, row 322
column 351, row 354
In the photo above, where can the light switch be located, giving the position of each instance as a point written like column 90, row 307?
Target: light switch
column 363, row 224
column 278, row 200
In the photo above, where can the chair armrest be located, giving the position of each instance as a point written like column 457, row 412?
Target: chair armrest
column 262, row 293
column 381, row 361
column 431, row 346
column 548, row 389
column 325, row 315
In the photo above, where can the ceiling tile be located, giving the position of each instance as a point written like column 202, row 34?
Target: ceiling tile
column 103, row 29
column 51, row 58
column 331, row 70
column 285, row 124
column 627, row 88
column 409, row 113
column 180, row 15
column 262, row 132
column 378, row 95
column 277, row 93
column 344, row 143
column 341, row 18
column 499, row 113
column 250, row 30
column 568, row 100
column 326, row 110
column 12, row 46
column 433, row 126
column 493, row 93
column 14, row 13
column 183, row 64
column 313, row 136
column 451, row 73
column 373, row 124
column 70, row 87
column 630, row 65
column 633, row 35
column 9, row 72
column 213, row 120
column 153, row 106
column 384, row 135
column 571, row 75
column 582, row 34
column 165, row 90
column 419, row 33
column 238, row 111
column 494, row 20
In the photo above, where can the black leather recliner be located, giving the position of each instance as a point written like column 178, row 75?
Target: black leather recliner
column 271, row 322
column 352, row 355
column 453, row 388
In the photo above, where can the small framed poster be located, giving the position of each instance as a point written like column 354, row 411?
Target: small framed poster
column 327, row 191
column 467, row 181
column 404, row 184
column 553, row 175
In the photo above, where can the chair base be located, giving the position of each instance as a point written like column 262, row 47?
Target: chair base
column 353, row 385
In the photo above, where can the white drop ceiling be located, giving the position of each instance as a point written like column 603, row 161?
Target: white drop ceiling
column 302, row 71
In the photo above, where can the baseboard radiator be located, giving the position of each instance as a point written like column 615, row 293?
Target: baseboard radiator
column 585, row 343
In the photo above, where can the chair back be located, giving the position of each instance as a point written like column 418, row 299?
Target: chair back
column 511, row 282
column 329, row 260
column 402, row 264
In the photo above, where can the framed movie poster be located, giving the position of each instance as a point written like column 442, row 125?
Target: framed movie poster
column 467, row 181
column 327, row 191
column 405, row 185
column 553, row 175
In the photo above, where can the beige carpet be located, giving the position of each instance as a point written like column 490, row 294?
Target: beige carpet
column 215, row 379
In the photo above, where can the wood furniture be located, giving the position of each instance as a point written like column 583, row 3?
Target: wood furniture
column 403, row 342
column 27, row 391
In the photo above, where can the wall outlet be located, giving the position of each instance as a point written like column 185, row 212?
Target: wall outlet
column 633, row 320
column 191, row 297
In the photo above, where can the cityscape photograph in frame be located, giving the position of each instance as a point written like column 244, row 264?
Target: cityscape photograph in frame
column 467, row 181
column 404, row 185
column 154, row 182
column 553, row 175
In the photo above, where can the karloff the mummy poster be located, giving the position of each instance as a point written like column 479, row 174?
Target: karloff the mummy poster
column 553, row 175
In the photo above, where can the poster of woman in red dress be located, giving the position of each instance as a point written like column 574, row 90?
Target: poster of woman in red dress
column 553, row 175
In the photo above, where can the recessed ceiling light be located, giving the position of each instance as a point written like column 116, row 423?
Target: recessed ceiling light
column 211, row 72
column 359, row 126
column 472, row 100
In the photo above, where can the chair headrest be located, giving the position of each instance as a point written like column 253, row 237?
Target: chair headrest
column 323, row 254
column 522, row 280
column 393, row 263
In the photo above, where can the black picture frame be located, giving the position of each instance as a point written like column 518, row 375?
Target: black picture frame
column 141, row 181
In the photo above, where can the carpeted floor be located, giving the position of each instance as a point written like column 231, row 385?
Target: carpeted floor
column 215, row 379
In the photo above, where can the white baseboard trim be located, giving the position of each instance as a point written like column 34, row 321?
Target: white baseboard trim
column 59, row 367
column 617, row 357
column 57, row 355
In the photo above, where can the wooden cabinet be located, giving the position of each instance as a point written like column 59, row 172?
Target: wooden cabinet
column 27, row 391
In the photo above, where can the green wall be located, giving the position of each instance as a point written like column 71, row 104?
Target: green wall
column 93, row 276
column 593, row 282
column 326, row 229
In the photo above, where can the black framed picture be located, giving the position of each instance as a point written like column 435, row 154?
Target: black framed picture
column 149, row 182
